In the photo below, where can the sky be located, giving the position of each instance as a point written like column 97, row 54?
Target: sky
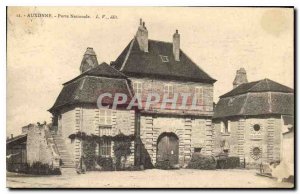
column 43, row 53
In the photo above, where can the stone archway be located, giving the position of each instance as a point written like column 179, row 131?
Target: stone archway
column 168, row 148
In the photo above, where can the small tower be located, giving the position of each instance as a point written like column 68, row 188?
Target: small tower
column 240, row 78
column 89, row 60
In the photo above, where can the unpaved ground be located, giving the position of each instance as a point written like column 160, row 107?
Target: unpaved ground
column 183, row 178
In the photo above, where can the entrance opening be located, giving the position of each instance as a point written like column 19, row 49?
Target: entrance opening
column 167, row 148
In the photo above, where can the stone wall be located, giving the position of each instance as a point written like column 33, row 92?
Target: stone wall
column 39, row 147
column 243, row 138
column 192, row 127
column 86, row 119
column 191, row 133
column 151, row 86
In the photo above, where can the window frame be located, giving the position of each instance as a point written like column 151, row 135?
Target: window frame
column 164, row 58
column 254, row 127
column 168, row 91
column 137, row 87
column 105, row 147
column 199, row 95
column 225, row 126
column 107, row 118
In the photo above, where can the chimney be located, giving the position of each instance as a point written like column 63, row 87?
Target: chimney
column 89, row 60
column 176, row 45
column 11, row 136
column 142, row 36
column 240, row 78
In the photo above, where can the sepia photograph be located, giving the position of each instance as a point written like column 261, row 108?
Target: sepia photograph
column 150, row 97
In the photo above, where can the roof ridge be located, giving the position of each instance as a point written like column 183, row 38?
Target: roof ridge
column 162, row 41
column 267, row 83
column 76, row 79
column 89, row 73
column 127, row 54
column 115, row 70
column 257, row 82
column 243, row 107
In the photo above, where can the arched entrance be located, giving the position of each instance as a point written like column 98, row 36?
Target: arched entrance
column 168, row 148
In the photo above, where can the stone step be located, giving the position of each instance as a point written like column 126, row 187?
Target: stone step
column 63, row 152
column 68, row 157
column 68, row 164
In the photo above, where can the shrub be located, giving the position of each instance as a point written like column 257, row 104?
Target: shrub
column 37, row 168
column 165, row 165
column 133, row 168
column 89, row 152
column 228, row 163
column 199, row 161
column 105, row 163
column 121, row 150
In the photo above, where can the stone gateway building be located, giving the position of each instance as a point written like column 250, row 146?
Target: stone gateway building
column 248, row 120
column 156, row 96
column 143, row 68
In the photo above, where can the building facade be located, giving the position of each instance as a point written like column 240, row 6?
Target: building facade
column 165, row 130
column 248, row 120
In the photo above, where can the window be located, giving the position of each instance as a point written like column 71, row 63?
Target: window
column 137, row 87
column 199, row 95
column 105, row 116
column 256, row 153
column 256, row 127
column 198, row 150
column 225, row 126
column 105, row 148
column 105, row 131
column 169, row 90
column 164, row 59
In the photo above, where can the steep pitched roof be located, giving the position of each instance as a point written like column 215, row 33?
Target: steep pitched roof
column 262, row 97
column 134, row 62
column 265, row 85
column 102, row 70
column 87, row 87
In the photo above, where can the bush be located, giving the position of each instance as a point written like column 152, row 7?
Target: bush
column 121, row 150
column 105, row 163
column 199, row 161
column 89, row 151
column 37, row 168
column 228, row 163
column 165, row 165
column 133, row 168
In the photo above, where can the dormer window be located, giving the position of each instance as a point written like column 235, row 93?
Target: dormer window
column 164, row 59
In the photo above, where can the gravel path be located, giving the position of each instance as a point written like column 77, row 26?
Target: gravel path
column 154, row 178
